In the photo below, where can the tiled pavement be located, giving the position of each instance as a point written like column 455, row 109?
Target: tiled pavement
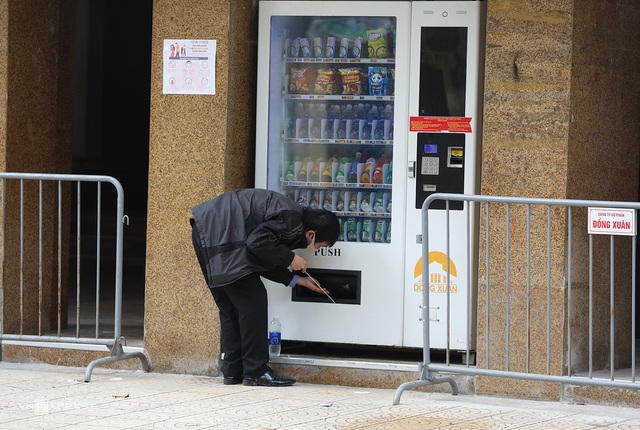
column 39, row 396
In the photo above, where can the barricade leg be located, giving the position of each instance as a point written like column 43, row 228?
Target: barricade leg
column 117, row 354
column 424, row 382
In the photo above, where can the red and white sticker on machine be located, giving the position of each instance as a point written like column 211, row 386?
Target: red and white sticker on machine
column 612, row 221
column 436, row 123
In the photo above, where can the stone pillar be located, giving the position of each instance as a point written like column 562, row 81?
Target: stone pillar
column 200, row 146
column 561, row 116
column 36, row 64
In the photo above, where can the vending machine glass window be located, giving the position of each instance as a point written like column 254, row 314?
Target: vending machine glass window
column 443, row 71
column 331, row 118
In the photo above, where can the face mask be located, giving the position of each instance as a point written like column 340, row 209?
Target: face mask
column 312, row 245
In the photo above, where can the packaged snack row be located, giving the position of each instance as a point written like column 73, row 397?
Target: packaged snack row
column 354, row 229
column 332, row 80
column 365, row 202
column 372, row 43
column 344, row 170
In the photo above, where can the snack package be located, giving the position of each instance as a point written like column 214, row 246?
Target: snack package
column 378, row 81
column 377, row 43
column 325, row 80
column 299, row 79
column 351, row 81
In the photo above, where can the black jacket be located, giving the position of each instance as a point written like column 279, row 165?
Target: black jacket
column 249, row 231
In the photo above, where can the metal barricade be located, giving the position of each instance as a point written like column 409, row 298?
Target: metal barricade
column 578, row 350
column 50, row 195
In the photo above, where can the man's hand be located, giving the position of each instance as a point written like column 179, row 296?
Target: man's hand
column 308, row 283
column 298, row 263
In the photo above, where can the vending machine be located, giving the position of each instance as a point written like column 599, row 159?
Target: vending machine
column 447, row 40
column 338, row 88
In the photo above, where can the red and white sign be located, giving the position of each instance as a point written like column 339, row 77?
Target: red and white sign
column 619, row 222
column 435, row 123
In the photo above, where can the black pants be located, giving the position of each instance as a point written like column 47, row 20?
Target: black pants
column 243, row 321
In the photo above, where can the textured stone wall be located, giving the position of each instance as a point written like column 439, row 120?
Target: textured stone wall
column 561, row 120
column 36, row 48
column 200, row 146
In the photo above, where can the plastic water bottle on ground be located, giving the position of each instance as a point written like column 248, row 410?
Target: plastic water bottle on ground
column 275, row 334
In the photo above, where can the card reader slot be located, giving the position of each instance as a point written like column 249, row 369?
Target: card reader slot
column 456, row 157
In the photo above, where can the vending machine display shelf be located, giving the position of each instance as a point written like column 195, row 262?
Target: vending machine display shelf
column 311, row 141
column 384, row 215
column 342, row 60
column 334, row 185
column 338, row 97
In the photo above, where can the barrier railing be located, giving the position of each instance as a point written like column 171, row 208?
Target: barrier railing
column 596, row 280
column 36, row 209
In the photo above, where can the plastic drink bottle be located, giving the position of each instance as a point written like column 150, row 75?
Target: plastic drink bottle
column 352, row 176
column 372, row 116
column 358, row 115
column 332, row 115
column 346, row 117
column 275, row 335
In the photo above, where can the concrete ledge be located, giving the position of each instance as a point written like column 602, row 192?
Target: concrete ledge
column 356, row 373
column 63, row 354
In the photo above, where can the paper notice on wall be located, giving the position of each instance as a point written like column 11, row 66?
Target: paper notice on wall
column 189, row 66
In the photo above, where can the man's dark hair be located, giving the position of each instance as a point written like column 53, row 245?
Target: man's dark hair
column 323, row 222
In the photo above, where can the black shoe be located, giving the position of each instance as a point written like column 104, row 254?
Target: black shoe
column 269, row 379
column 232, row 380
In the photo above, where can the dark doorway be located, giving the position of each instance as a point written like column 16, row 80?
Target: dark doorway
column 112, row 82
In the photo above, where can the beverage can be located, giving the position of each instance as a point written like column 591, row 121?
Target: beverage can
column 293, row 47
column 330, row 48
column 317, row 47
column 305, row 49
column 344, row 47
column 357, row 47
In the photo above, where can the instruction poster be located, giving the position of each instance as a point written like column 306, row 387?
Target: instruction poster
column 189, row 66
